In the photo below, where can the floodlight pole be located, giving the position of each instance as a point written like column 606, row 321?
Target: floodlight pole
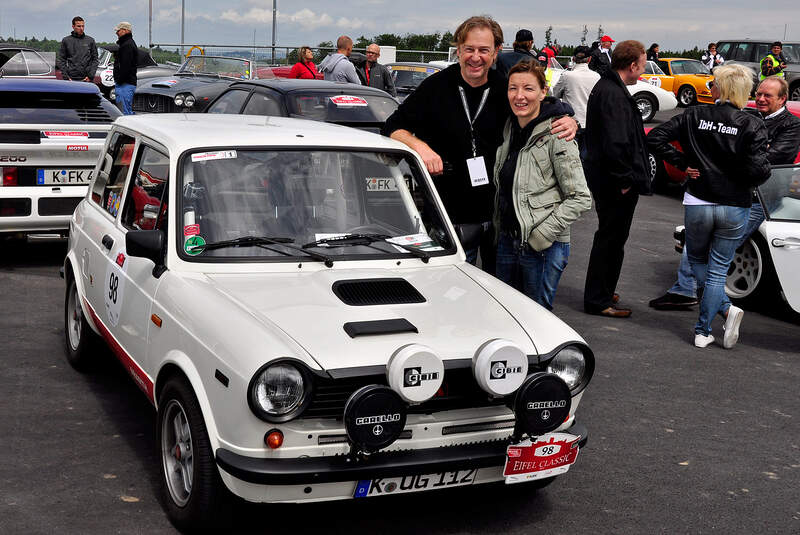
column 274, row 11
column 183, row 5
column 150, row 25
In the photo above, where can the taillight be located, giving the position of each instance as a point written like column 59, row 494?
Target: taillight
column 8, row 176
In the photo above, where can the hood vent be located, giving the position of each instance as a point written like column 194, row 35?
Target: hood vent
column 364, row 292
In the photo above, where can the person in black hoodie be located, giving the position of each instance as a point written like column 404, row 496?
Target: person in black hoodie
column 457, row 116
column 77, row 56
column 523, row 42
column 617, row 170
column 125, row 60
column 725, row 157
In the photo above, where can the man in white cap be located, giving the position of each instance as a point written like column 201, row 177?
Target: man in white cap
column 125, row 60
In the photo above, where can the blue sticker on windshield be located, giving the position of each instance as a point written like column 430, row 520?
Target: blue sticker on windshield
column 430, row 71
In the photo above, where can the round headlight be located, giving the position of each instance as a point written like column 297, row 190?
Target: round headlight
column 277, row 390
column 188, row 101
column 178, row 100
column 570, row 365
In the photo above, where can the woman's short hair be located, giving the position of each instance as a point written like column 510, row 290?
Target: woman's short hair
column 530, row 67
column 483, row 21
column 734, row 83
column 301, row 53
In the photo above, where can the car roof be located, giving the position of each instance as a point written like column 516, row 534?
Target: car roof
column 20, row 47
column 48, row 86
column 183, row 131
column 287, row 85
column 414, row 64
column 682, row 59
column 751, row 40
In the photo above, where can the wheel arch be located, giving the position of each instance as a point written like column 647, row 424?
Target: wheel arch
column 69, row 274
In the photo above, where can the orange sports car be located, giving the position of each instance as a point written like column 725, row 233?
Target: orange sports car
column 687, row 78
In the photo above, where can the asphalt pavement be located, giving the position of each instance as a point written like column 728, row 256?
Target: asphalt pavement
column 681, row 440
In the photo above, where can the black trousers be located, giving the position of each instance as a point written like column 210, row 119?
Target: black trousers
column 615, row 215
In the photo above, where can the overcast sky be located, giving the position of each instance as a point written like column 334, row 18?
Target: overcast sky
column 675, row 24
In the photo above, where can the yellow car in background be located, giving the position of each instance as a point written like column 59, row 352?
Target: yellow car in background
column 689, row 79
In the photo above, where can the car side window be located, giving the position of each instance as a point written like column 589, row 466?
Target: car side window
column 36, row 64
column 230, row 102
column 724, row 50
column 743, row 52
column 648, row 68
column 110, row 180
column 14, row 64
column 145, row 207
column 678, row 67
column 264, row 103
column 762, row 50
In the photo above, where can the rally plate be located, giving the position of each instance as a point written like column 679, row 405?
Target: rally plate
column 367, row 488
column 546, row 456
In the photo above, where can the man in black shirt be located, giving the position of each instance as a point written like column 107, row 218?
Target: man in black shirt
column 454, row 121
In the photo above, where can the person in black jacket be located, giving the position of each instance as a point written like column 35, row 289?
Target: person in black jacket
column 373, row 74
column 617, row 170
column 125, row 60
column 601, row 56
column 77, row 56
column 783, row 139
column 454, row 120
column 725, row 157
column 652, row 52
column 523, row 42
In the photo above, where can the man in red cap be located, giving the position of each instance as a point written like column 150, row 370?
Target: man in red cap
column 601, row 57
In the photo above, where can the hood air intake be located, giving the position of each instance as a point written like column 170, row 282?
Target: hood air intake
column 365, row 292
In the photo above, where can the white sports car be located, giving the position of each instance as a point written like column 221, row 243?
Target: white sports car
column 651, row 99
column 291, row 298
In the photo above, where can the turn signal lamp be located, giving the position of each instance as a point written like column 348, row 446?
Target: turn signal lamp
column 8, row 176
column 273, row 439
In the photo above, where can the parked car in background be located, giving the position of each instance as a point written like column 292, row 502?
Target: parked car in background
column 301, row 315
column 408, row 75
column 23, row 62
column 688, row 79
column 146, row 68
column 333, row 102
column 750, row 52
column 651, row 99
column 196, row 83
column 51, row 135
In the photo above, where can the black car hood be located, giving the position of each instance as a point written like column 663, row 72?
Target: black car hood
column 173, row 85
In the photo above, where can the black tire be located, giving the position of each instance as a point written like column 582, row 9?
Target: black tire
column 794, row 91
column 687, row 96
column 647, row 104
column 81, row 344
column 195, row 497
column 751, row 278
column 658, row 175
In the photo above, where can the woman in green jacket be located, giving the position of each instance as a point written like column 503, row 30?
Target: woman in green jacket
column 541, row 189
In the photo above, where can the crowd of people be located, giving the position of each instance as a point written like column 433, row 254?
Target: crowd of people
column 515, row 167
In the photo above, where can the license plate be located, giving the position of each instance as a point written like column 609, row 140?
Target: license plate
column 48, row 177
column 367, row 488
column 547, row 456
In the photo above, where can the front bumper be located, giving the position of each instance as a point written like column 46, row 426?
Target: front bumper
column 318, row 470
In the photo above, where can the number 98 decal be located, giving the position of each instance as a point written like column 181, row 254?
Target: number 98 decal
column 115, row 286
column 548, row 450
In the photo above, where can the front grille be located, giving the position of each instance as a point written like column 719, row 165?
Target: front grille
column 15, row 207
column 364, row 292
column 459, row 391
column 154, row 104
column 94, row 115
column 58, row 205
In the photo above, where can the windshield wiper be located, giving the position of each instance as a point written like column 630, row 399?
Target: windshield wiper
column 263, row 242
column 366, row 239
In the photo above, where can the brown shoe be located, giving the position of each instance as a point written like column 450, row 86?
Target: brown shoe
column 615, row 299
column 614, row 312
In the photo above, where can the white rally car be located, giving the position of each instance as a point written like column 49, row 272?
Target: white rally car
column 291, row 298
column 51, row 135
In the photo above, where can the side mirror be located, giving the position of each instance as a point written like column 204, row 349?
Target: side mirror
column 147, row 244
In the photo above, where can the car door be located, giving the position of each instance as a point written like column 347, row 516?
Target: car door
column 265, row 102
column 780, row 197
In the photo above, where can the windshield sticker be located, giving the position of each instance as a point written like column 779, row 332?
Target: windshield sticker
column 347, row 101
column 216, row 155
column 326, row 235
column 191, row 230
column 54, row 134
column 381, row 184
column 193, row 245
column 431, row 71
column 414, row 240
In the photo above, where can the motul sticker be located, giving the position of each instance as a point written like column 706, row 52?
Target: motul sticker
column 77, row 148
column 347, row 100
column 191, row 230
column 216, row 155
column 58, row 134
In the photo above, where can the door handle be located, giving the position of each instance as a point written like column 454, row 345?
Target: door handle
column 108, row 242
column 788, row 242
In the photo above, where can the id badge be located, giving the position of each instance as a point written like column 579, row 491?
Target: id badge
column 477, row 171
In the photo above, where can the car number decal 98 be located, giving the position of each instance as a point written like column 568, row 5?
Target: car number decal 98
column 114, row 287
column 367, row 488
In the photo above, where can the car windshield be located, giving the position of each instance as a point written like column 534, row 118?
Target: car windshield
column 689, row 67
column 333, row 107
column 103, row 56
column 410, row 76
column 653, row 68
column 791, row 51
column 780, row 195
column 223, row 67
column 269, row 204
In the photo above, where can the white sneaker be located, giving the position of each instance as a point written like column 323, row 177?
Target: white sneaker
column 702, row 340
column 732, row 323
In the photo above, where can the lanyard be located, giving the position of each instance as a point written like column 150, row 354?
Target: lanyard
column 471, row 120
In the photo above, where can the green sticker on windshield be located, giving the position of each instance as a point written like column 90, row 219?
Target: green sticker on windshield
column 193, row 245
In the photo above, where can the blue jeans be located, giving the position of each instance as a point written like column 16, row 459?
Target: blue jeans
column 534, row 273
column 686, row 283
column 712, row 235
column 125, row 97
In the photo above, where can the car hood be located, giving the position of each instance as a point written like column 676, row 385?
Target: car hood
column 457, row 317
column 178, row 84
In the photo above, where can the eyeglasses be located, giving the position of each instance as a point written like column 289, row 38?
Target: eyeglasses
column 767, row 96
